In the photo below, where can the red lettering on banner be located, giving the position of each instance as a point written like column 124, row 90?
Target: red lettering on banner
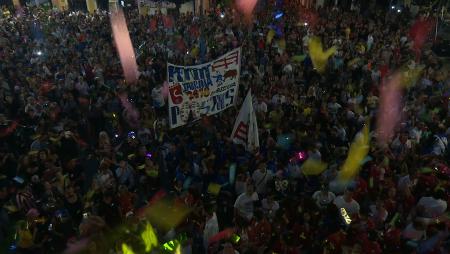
column 224, row 62
column 175, row 94
column 241, row 132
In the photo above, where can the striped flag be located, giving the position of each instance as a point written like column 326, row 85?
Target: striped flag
column 245, row 131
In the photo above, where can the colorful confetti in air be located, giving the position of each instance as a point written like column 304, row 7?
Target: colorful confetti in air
column 318, row 56
column 389, row 113
column 149, row 238
column 124, row 46
column 358, row 151
column 313, row 167
column 246, row 7
column 166, row 213
column 126, row 249
column 131, row 114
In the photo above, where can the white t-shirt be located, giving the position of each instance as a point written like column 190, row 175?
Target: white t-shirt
column 211, row 229
column 261, row 179
column 433, row 207
column 244, row 204
column 351, row 207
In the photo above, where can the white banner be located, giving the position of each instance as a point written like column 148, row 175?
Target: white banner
column 206, row 89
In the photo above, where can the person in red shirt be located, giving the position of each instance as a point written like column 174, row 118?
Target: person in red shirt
column 260, row 231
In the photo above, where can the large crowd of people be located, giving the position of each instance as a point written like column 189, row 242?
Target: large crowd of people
column 76, row 173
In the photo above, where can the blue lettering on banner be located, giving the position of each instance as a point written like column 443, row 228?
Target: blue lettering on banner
column 181, row 74
column 218, row 102
column 229, row 96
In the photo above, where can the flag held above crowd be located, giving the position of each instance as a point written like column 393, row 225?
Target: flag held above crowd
column 245, row 130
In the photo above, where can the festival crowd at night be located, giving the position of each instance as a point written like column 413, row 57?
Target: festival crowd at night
column 353, row 122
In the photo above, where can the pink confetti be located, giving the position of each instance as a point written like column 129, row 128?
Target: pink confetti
column 131, row 114
column 124, row 46
column 165, row 90
column 224, row 234
column 389, row 113
column 246, row 6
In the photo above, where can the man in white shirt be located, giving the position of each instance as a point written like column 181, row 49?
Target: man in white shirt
column 347, row 202
column 211, row 228
column 243, row 207
column 261, row 177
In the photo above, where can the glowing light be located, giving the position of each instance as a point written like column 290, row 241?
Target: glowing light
column 345, row 215
column 279, row 14
column 39, row 53
column 126, row 249
column 222, row 15
column 149, row 238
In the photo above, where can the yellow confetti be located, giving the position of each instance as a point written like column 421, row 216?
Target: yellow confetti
column 149, row 238
column 126, row 249
column 178, row 250
column 195, row 51
column 214, row 188
column 282, row 44
column 270, row 36
column 318, row 56
column 313, row 167
column 358, row 151
column 410, row 76
column 166, row 214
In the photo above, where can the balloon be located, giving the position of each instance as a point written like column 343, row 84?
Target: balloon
column 318, row 56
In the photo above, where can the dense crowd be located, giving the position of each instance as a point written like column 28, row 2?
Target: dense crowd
column 74, row 170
